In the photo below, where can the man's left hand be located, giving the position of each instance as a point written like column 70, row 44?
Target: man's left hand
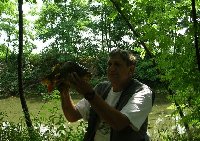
column 80, row 85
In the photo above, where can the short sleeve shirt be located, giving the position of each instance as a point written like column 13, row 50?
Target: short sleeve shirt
column 137, row 109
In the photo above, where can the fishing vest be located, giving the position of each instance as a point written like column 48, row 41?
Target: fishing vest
column 127, row 134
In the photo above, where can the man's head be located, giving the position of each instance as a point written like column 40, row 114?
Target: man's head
column 121, row 65
column 125, row 55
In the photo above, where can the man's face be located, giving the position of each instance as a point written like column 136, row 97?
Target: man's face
column 118, row 71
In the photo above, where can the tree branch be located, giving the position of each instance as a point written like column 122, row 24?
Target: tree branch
column 131, row 27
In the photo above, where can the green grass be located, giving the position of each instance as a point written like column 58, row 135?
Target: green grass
column 37, row 106
column 158, row 119
column 12, row 107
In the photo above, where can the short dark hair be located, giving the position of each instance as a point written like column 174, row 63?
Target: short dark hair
column 126, row 56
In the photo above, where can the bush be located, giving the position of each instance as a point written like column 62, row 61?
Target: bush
column 52, row 129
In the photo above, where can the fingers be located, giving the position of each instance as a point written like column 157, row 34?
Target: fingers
column 74, row 78
column 62, row 85
column 77, row 83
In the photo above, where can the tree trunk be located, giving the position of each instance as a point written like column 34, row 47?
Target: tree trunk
column 102, row 28
column 7, row 50
column 20, row 56
column 196, row 33
column 109, row 40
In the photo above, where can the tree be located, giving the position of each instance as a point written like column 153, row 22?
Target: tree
column 20, row 72
column 158, row 26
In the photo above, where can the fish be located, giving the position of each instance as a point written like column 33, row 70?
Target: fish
column 60, row 73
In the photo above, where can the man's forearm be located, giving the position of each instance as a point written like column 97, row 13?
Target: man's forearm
column 109, row 114
column 69, row 110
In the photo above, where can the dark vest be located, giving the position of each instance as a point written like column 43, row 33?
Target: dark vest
column 127, row 134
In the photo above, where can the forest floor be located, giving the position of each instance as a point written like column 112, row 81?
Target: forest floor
column 159, row 119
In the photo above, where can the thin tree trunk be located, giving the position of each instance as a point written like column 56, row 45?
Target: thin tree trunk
column 20, row 56
column 109, row 40
column 7, row 50
column 196, row 33
column 102, row 28
column 106, row 28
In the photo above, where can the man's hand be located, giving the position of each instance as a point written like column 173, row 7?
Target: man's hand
column 80, row 85
column 70, row 112
column 63, row 86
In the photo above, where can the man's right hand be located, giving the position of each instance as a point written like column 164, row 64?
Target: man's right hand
column 63, row 87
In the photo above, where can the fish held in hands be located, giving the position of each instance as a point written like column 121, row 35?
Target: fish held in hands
column 60, row 73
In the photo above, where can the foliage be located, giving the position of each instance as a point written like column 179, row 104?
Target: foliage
column 9, row 44
column 55, row 129
column 160, row 23
column 167, row 135
column 9, row 28
column 8, row 76
column 85, row 31
column 146, row 72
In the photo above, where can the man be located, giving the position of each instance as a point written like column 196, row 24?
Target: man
column 116, row 110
